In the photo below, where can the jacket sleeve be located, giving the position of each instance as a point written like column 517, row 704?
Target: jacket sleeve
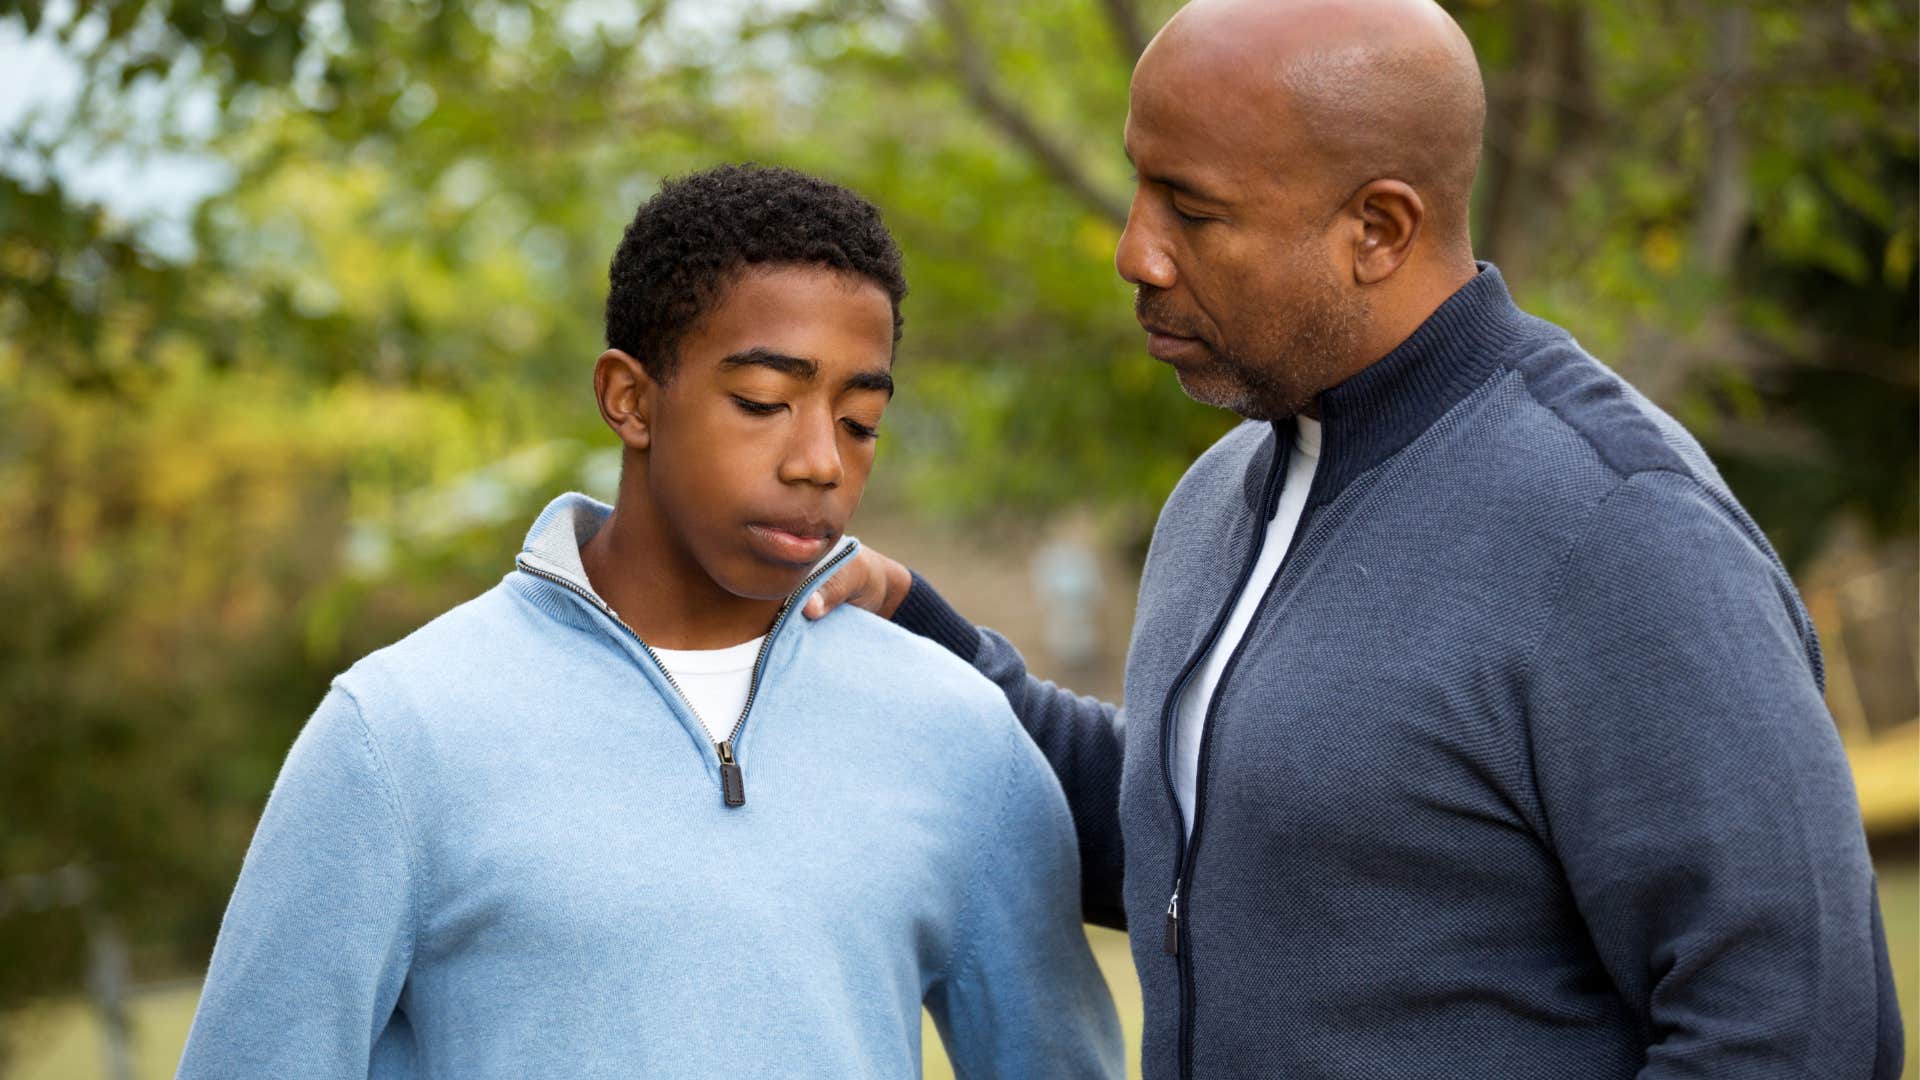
column 317, row 938
column 1696, row 793
column 1021, row 995
column 1082, row 738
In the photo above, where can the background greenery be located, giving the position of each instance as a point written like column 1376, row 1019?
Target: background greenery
column 251, row 437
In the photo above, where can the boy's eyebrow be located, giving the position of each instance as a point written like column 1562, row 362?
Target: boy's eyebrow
column 872, row 380
column 806, row 370
column 797, row 366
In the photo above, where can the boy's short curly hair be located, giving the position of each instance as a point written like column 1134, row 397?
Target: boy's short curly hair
column 687, row 242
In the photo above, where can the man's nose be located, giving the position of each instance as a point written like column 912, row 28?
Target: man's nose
column 813, row 454
column 1140, row 257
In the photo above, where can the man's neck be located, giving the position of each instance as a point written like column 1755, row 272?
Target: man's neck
column 661, row 591
column 1424, row 289
column 1401, row 313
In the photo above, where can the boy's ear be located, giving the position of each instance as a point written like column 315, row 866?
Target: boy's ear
column 626, row 396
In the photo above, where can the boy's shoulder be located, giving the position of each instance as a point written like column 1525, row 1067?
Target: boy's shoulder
column 893, row 658
column 863, row 657
column 951, row 727
column 453, row 658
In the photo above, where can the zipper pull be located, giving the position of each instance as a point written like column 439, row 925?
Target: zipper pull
column 733, row 787
column 1172, row 945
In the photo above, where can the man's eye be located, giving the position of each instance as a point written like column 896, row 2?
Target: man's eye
column 861, row 431
column 1189, row 219
column 756, row 408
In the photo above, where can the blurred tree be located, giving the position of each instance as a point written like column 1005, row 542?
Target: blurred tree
column 230, row 470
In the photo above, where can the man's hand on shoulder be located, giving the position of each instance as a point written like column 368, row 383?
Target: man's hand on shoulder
column 870, row 581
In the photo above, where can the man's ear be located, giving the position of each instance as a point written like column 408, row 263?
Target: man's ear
column 627, row 397
column 1389, row 214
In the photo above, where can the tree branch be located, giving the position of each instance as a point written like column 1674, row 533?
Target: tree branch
column 1511, row 101
column 976, row 78
column 1125, row 22
column 1545, row 132
column 1723, row 203
column 1579, row 124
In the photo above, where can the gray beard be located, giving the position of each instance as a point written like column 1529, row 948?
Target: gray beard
column 1312, row 357
column 1307, row 351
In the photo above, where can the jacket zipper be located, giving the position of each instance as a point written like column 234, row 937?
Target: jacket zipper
column 1176, row 934
column 733, row 790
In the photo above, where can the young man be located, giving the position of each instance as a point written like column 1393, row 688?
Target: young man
column 626, row 814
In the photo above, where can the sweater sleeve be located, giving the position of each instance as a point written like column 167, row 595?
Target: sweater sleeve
column 1696, row 793
column 1082, row 738
column 1021, row 995
column 317, row 938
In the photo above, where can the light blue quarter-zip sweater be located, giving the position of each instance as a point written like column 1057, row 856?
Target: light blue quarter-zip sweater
column 500, row 849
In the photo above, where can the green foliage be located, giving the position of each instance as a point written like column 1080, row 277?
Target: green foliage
column 1725, row 210
column 227, row 475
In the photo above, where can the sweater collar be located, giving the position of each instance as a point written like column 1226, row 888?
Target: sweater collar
column 553, row 544
column 552, row 547
column 1377, row 412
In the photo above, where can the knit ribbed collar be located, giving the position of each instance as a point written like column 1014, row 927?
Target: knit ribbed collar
column 552, row 547
column 1376, row 413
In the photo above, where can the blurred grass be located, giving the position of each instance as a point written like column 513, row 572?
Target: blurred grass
column 1900, row 909
column 61, row 1041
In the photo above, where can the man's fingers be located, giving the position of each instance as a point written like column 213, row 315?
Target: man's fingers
column 862, row 582
column 822, row 601
column 846, row 585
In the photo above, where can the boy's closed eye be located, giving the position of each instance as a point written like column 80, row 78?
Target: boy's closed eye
column 860, row 429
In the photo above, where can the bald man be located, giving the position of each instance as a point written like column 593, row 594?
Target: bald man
column 1472, row 728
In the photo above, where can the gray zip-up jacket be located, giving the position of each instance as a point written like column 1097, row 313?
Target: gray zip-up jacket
column 1521, row 770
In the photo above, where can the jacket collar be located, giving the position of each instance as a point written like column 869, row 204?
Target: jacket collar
column 1377, row 412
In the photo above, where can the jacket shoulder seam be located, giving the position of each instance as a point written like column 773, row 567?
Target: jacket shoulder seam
column 1674, row 465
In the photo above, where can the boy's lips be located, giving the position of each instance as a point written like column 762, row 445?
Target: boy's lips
column 793, row 541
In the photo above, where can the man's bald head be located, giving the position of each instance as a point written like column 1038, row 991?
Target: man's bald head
column 1304, row 168
column 1360, row 89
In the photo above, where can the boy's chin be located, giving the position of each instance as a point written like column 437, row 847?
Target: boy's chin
column 755, row 578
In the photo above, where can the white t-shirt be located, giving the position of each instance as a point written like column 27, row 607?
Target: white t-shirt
column 1192, row 715
column 716, row 681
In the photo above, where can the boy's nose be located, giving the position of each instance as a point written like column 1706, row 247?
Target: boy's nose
column 813, row 457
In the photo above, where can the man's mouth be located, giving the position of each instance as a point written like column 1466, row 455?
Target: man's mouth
column 793, row 541
column 1169, row 346
column 1168, row 338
